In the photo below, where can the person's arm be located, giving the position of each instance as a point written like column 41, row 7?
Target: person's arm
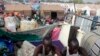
column 82, row 51
column 37, row 50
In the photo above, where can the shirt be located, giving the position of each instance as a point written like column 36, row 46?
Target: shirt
column 55, row 33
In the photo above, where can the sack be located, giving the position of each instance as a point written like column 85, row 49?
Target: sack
column 27, row 49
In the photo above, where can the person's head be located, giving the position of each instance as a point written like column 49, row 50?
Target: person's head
column 73, row 46
column 47, row 43
column 16, row 13
column 18, row 43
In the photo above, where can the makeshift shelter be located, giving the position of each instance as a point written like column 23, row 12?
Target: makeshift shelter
column 20, row 36
column 26, row 9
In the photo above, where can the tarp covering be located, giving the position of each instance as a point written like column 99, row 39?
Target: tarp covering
column 19, row 36
column 41, row 31
column 32, row 35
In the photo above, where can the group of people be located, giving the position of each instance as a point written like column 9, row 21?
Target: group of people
column 49, row 49
column 46, row 48
column 11, row 20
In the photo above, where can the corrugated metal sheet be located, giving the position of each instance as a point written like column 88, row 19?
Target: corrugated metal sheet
column 84, row 24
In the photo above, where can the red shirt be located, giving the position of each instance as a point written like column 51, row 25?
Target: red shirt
column 55, row 33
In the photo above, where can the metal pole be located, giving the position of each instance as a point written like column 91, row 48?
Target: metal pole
column 74, row 6
column 73, row 22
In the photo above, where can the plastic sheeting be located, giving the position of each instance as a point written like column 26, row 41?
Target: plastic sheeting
column 31, row 35
column 19, row 36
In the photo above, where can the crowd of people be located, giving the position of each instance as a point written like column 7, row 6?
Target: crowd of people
column 46, row 48
column 12, row 20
